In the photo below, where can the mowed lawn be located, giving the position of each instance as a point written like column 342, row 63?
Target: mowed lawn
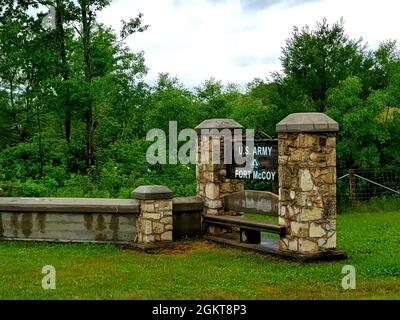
column 200, row 270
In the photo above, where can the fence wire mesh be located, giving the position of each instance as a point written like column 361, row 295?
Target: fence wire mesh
column 361, row 185
column 353, row 186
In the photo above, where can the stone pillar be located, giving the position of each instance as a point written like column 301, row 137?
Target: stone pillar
column 155, row 223
column 307, row 182
column 212, row 184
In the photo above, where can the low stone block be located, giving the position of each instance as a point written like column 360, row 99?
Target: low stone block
column 147, row 206
column 167, row 220
column 331, row 158
column 331, row 142
column 147, row 215
column 283, row 244
column 305, row 140
column 158, row 227
column 282, row 221
column 293, row 245
column 331, row 242
column 213, row 204
column 212, row 191
column 317, row 157
column 166, row 236
column 310, row 214
column 165, row 205
column 305, row 180
column 306, row 245
column 297, row 154
column 299, row 229
column 316, row 230
column 147, row 226
column 227, row 187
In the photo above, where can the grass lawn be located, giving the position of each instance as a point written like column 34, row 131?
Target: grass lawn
column 200, row 270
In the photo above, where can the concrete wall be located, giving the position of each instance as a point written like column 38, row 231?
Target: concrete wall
column 75, row 227
column 68, row 220
column 88, row 220
column 187, row 217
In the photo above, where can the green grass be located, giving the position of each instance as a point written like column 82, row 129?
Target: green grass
column 200, row 270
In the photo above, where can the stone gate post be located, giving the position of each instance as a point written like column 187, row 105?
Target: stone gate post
column 212, row 184
column 307, row 182
column 155, row 222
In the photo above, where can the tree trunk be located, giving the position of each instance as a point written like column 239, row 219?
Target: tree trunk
column 86, row 38
column 64, row 64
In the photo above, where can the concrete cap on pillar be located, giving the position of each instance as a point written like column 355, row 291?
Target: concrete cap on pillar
column 307, row 122
column 218, row 124
column 152, row 192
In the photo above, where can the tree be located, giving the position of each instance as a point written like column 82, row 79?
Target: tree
column 319, row 59
column 86, row 15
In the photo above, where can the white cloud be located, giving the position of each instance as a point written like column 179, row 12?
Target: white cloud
column 238, row 40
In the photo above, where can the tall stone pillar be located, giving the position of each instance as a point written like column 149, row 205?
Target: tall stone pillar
column 212, row 184
column 307, row 182
column 155, row 222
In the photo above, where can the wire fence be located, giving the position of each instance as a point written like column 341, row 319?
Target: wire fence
column 354, row 186
column 358, row 186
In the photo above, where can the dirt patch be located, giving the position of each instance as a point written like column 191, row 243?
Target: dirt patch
column 177, row 248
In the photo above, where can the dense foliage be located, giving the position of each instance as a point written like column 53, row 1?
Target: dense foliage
column 75, row 110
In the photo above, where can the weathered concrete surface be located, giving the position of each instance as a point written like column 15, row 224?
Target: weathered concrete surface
column 187, row 224
column 187, row 217
column 186, row 204
column 96, row 220
column 152, row 192
column 73, row 227
column 218, row 124
column 253, row 201
column 307, row 122
column 69, row 205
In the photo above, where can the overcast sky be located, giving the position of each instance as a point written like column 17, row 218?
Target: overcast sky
column 238, row 40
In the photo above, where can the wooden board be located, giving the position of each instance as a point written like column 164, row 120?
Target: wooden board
column 263, row 202
column 270, row 246
column 230, row 221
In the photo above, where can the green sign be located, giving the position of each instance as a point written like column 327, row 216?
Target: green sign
column 261, row 161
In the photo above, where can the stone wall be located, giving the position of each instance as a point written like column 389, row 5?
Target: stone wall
column 307, row 184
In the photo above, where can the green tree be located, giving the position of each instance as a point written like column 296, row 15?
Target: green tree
column 319, row 59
